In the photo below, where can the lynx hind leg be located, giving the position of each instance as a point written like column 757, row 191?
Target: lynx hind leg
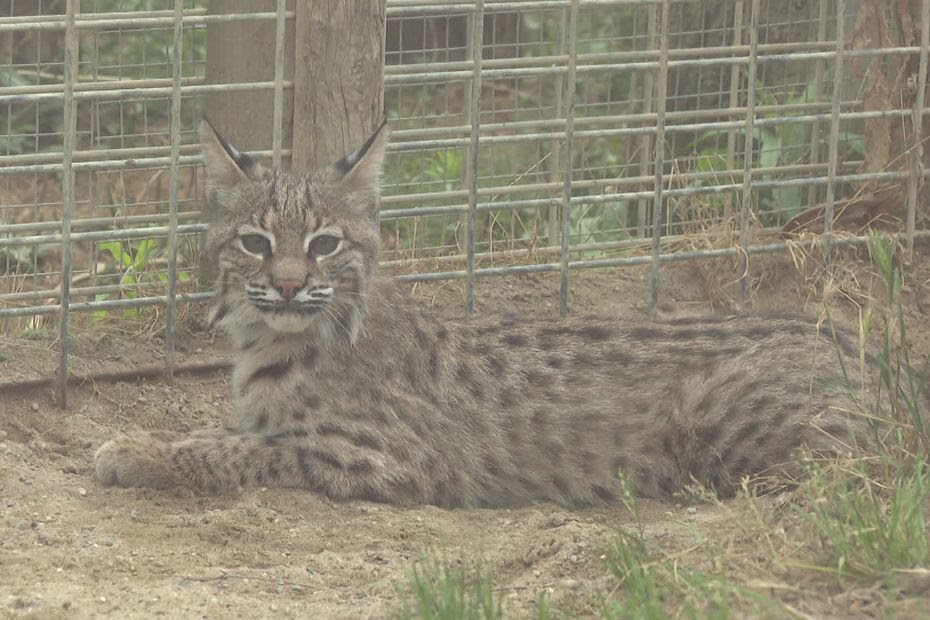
column 831, row 434
column 726, row 425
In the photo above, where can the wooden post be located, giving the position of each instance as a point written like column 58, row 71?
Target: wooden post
column 338, row 95
column 244, row 52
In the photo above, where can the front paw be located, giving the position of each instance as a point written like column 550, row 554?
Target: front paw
column 136, row 460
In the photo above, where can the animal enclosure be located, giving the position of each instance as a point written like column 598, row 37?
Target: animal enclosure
column 529, row 136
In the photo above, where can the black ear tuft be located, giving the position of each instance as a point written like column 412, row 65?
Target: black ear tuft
column 345, row 165
column 224, row 165
column 245, row 163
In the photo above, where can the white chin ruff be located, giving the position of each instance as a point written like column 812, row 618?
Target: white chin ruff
column 288, row 323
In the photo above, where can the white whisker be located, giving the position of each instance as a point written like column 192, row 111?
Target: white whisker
column 332, row 315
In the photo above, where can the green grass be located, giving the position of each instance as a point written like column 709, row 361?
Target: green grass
column 653, row 586
column 443, row 590
column 869, row 517
column 646, row 584
column 868, row 514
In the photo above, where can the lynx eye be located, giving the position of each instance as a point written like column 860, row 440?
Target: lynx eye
column 256, row 244
column 324, row 245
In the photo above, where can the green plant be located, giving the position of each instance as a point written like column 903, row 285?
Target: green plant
column 870, row 517
column 653, row 587
column 870, row 513
column 784, row 144
column 904, row 380
column 441, row 591
column 131, row 263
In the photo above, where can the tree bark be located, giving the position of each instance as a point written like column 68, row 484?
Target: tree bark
column 244, row 52
column 338, row 95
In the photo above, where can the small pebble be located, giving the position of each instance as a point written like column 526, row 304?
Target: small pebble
column 82, row 491
column 692, row 510
column 570, row 584
column 537, row 573
column 34, row 406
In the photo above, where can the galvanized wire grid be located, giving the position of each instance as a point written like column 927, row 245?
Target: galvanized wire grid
column 529, row 136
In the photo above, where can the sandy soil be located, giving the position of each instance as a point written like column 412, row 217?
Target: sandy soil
column 69, row 548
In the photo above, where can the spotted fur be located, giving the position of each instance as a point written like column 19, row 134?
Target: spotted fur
column 345, row 386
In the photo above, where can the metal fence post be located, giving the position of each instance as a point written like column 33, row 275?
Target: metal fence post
column 659, row 198
column 177, row 57
column 477, row 55
column 567, row 153
column 833, row 156
column 72, row 7
column 735, row 71
column 646, row 151
column 917, row 122
column 745, row 210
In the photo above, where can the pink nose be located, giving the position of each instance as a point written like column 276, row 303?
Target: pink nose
column 288, row 288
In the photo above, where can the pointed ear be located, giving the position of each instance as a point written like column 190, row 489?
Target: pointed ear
column 224, row 165
column 361, row 171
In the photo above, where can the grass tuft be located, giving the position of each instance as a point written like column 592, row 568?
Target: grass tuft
column 653, row 586
column 869, row 516
column 442, row 590
column 868, row 513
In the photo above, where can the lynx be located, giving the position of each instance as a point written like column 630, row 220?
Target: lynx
column 345, row 386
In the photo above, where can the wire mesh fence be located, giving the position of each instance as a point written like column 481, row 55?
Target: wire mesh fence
column 529, row 135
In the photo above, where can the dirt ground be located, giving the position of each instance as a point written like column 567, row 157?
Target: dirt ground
column 70, row 549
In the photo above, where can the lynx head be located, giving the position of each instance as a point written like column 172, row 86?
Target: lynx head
column 296, row 252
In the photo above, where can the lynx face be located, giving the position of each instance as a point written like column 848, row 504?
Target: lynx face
column 295, row 252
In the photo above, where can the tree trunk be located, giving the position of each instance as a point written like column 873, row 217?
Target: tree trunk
column 338, row 96
column 244, row 52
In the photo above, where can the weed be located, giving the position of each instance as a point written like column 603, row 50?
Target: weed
column 132, row 262
column 441, row 591
column 778, row 145
column 870, row 516
column 869, row 513
column 651, row 586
